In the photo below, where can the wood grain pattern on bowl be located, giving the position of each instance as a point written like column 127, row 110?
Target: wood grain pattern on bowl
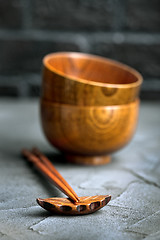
column 84, row 79
column 86, row 133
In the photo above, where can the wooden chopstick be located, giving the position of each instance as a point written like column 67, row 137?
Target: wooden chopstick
column 49, row 174
column 48, row 163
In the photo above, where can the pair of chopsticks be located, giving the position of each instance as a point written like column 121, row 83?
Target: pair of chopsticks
column 43, row 164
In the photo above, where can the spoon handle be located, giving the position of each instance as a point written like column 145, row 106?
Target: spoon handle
column 53, row 176
column 50, row 166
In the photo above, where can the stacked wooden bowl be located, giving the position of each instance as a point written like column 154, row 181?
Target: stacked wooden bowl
column 89, row 105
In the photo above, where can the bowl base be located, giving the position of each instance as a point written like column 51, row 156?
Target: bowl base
column 88, row 160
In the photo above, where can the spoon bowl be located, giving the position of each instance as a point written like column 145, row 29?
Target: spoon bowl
column 65, row 206
column 73, row 205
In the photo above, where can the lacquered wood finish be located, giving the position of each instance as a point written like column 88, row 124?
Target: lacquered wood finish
column 83, row 79
column 83, row 132
column 54, row 171
column 50, row 172
column 86, row 205
column 73, row 205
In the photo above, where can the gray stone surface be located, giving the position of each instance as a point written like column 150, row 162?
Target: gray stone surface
column 132, row 178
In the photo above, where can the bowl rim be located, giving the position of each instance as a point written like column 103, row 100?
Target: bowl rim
column 97, row 58
column 62, row 105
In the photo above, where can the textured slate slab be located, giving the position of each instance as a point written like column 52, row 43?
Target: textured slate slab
column 132, row 178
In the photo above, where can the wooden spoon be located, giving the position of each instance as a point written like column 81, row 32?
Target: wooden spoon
column 65, row 206
column 73, row 205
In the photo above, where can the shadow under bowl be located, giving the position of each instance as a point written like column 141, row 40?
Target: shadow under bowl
column 86, row 134
column 88, row 80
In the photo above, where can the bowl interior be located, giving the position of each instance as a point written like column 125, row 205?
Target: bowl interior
column 91, row 68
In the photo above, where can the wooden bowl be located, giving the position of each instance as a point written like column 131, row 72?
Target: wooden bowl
column 83, row 79
column 87, row 134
